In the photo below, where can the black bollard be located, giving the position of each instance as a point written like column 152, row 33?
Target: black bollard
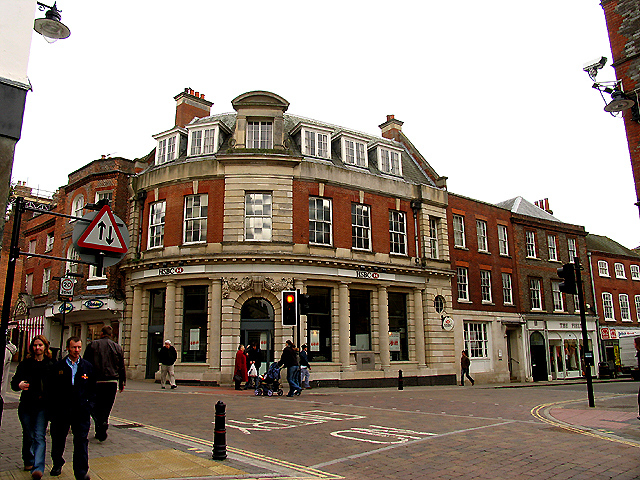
column 220, row 433
column 400, row 380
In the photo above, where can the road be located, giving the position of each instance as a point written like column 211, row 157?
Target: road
column 420, row 432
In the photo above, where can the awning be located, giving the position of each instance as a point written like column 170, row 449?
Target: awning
column 32, row 326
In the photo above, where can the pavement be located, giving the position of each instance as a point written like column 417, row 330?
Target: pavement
column 160, row 450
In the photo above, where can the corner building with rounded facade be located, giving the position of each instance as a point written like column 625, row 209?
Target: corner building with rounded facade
column 235, row 208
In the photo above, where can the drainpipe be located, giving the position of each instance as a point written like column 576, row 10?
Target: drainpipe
column 140, row 198
column 415, row 207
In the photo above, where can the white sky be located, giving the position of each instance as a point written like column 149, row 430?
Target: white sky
column 492, row 93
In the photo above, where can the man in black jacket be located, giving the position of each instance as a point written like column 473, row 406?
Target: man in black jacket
column 167, row 356
column 290, row 360
column 70, row 392
column 107, row 358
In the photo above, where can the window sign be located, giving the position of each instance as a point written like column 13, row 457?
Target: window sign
column 194, row 339
column 314, row 343
column 394, row 341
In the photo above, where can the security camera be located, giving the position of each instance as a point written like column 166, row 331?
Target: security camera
column 593, row 66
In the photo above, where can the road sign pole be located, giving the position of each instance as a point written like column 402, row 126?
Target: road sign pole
column 588, row 353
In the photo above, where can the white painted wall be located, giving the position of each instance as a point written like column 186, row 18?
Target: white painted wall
column 16, row 29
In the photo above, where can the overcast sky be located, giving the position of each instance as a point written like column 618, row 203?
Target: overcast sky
column 492, row 93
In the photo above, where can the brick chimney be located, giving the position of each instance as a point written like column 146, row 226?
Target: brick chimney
column 189, row 105
column 391, row 128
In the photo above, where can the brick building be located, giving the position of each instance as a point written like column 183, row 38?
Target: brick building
column 235, row 208
column 97, row 300
column 616, row 286
column 623, row 25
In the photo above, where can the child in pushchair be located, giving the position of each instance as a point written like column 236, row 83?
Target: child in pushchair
column 269, row 382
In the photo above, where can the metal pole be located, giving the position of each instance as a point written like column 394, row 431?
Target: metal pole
column 219, row 433
column 588, row 354
column 14, row 253
column 64, row 311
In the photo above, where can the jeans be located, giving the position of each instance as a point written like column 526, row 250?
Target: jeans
column 292, row 379
column 465, row 371
column 34, row 427
column 305, row 374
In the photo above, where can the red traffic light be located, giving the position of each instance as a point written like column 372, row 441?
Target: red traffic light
column 290, row 298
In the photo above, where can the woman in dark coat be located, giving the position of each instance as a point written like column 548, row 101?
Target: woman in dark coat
column 29, row 378
column 240, row 371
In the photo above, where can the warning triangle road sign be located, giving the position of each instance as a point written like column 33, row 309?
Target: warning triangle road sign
column 103, row 233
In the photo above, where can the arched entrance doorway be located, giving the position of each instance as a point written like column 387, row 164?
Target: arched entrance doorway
column 256, row 325
column 538, row 357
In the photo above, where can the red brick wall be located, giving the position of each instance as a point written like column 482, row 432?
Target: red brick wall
column 615, row 286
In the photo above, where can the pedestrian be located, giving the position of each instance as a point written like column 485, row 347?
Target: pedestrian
column 240, row 369
column 289, row 359
column 636, row 343
column 29, row 379
column 168, row 356
column 70, row 394
column 305, row 368
column 254, row 359
column 465, row 363
column 107, row 358
column 9, row 351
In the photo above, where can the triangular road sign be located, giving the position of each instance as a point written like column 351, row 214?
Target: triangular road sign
column 103, row 233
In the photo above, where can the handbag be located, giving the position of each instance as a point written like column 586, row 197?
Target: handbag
column 252, row 371
column 237, row 378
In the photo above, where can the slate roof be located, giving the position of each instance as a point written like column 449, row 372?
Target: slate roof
column 598, row 243
column 524, row 207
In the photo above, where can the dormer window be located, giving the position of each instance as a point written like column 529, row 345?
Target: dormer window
column 314, row 140
column 203, row 141
column 260, row 135
column 387, row 157
column 355, row 153
column 170, row 144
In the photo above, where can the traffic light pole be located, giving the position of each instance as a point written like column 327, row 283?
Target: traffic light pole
column 588, row 353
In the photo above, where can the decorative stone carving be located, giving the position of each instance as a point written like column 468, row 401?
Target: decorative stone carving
column 257, row 284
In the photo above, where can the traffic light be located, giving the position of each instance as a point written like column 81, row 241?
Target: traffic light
column 303, row 303
column 567, row 273
column 289, row 308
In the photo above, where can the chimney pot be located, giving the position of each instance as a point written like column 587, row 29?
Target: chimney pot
column 202, row 95
column 197, row 94
column 390, row 117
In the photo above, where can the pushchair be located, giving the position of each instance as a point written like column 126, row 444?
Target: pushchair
column 269, row 382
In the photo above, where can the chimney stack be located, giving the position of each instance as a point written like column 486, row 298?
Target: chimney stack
column 190, row 105
column 391, row 128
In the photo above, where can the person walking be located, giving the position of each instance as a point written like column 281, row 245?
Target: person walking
column 254, row 358
column 240, row 368
column 167, row 356
column 29, row 380
column 9, row 351
column 465, row 364
column 70, row 396
column 305, row 368
column 107, row 358
column 289, row 359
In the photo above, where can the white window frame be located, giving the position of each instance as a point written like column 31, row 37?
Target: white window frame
column 625, row 309
column 607, row 306
column 618, row 268
column 104, row 194
column 637, row 302
column 320, row 221
column 195, row 219
column 397, row 232
column 258, row 221
column 433, row 237
column 28, row 283
column 535, row 294
column 157, row 212
column 462, row 275
column 558, row 300
column 390, row 161
column 203, row 139
column 50, row 241
column 530, row 236
column 571, row 247
column 315, row 142
column 46, row 280
column 635, row 272
column 481, row 234
column 552, row 246
column 503, row 240
column 485, row 286
column 476, row 339
column 32, row 246
column 360, row 227
column 166, row 149
column 93, row 273
column 459, row 239
column 72, row 254
column 77, row 207
column 354, row 151
column 507, row 288
column 603, row 268
column 259, row 134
